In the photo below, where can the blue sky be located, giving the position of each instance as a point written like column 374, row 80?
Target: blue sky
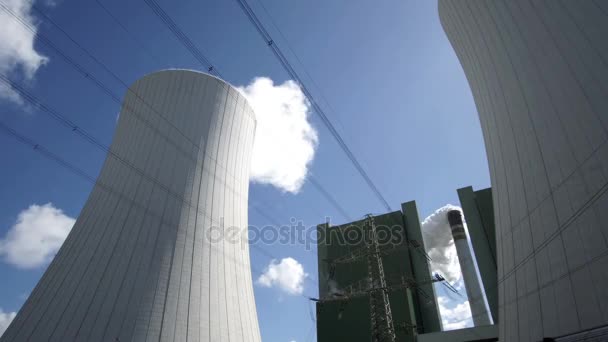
column 397, row 92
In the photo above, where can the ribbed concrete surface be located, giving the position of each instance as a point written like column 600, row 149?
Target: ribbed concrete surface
column 539, row 75
column 143, row 262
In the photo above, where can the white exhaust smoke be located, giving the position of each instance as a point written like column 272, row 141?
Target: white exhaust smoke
column 440, row 244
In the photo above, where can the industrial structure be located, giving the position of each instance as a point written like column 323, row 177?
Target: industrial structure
column 538, row 71
column 144, row 261
column 479, row 215
column 479, row 314
column 375, row 282
column 375, row 272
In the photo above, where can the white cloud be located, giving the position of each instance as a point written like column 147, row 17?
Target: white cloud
column 285, row 141
column 17, row 53
column 455, row 317
column 36, row 236
column 288, row 275
column 440, row 244
column 5, row 319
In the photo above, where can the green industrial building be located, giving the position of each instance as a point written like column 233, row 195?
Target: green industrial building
column 343, row 267
column 414, row 310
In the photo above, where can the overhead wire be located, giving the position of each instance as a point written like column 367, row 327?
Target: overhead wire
column 601, row 191
column 278, row 54
column 190, row 46
column 182, row 37
column 105, row 89
column 316, row 108
column 87, row 136
column 83, row 133
column 303, row 67
column 78, row 130
column 45, row 152
column 48, row 154
column 329, row 197
column 142, row 46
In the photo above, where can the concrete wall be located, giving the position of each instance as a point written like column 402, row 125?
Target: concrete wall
column 479, row 216
column 139, row 264
column 427, row 307
column 538, row 71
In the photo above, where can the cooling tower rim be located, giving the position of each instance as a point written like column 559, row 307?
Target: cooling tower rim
column 202, row 73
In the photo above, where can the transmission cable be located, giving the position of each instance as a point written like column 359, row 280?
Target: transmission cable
column 106, row 90
column 182, row 37
column 55, row 114
column 48, row 154
column 317, row 109
column 74, row 128
column 42, row 150
column 303, row 67
column 133, row 37
column 87, row 136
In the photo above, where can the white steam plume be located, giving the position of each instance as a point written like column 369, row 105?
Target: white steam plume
column 285, row 141
column 440, row 244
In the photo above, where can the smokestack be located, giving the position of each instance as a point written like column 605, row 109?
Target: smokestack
column 471, row 281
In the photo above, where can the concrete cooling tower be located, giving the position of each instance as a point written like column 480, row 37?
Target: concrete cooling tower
column 159, row 251
column 538, row 71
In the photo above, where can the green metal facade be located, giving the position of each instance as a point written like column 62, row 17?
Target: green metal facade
column 350, row 320
column 427, row 310
column 479, row 216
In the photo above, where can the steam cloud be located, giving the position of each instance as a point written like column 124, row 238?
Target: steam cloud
column 17, row 54
column 36, row 236
column 440, row 244
column 285, row 141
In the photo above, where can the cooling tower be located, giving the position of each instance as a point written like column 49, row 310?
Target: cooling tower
column 538, row 71
column 159, row 251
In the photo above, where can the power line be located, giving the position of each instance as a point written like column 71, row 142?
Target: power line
column 511, row 270
column 182, row 37
column 79, row 131
column 66, row 122
column 303, row 67
column 324, row 119
column 329, row 197
column 45, row 152
column 89, row 75
column 92, row 140
column 133, row 37
column 106, row 90
column 75, row 128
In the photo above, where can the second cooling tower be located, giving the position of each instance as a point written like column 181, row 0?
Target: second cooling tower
column 148, row 259
column 469, row 274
